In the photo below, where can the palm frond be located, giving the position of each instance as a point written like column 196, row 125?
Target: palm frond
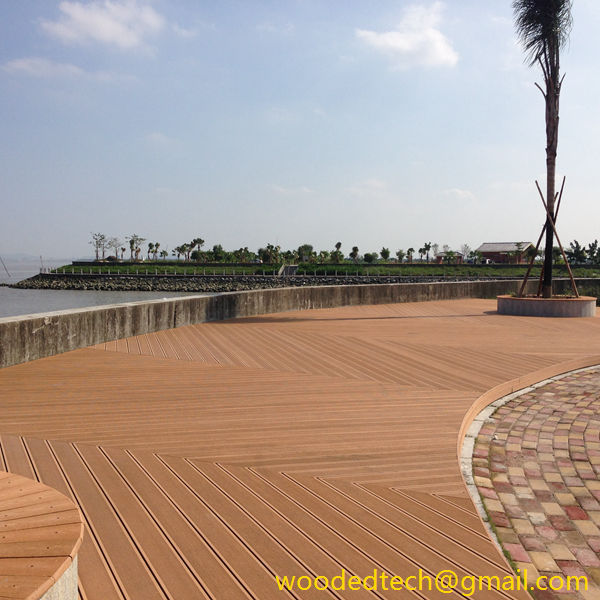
column 543, row 26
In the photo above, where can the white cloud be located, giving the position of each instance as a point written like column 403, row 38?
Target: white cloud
column 41, row 67
column 183, row 32
column 48, row 69
column 279, row 29
column 161, row 141
column 291, row 191
column 368, row 188
column 125, row 24
column 459, row 195
column 417, row 42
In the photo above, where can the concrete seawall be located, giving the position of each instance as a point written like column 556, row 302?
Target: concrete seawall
column 29, row 337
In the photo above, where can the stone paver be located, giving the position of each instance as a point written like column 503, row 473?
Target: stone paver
column 543, row 460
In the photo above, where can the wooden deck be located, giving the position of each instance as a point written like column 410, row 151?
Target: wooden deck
column 208, row 459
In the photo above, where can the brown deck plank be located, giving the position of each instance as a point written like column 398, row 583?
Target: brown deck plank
column 311, row 440
column 127, row 565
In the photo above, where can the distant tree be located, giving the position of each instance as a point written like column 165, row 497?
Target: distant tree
column 385, row 253
column 475, row 256
column 156, row 247
column 354, row 254
column 164, row 254
column 306, row 252
column 98, row 241
column 336, row 255
column 271, row 254
column 556, row 256
column 531, row 252
column 197, row 243
column 409, row 254
column 218, row 253
column 114, row 244
column 427, row 247
column 135, row 242
column 370, row 257
column 465, row 250
column 242, row 255
column 123, row 252
column 450, row 256
column 421, row 252
column 400, row 254
column 288, row 257
column 435, row 248
column 576, row 253
column 593, row 252
column 150, row 249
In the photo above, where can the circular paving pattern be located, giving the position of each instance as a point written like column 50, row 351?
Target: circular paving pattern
column 536, row 464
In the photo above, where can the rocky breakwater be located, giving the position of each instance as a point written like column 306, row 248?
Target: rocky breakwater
column 205, row 283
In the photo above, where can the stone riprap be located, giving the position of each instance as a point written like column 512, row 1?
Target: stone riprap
column 536, row 463
column 213, row 283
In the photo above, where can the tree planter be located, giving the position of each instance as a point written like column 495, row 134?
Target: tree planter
column 584, row 306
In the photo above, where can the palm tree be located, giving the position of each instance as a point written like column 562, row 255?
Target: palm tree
column 135, row 242
column 427, row 248
column 150, row 249
column 197, row 243
column 400, row 254
column 354, row 254
column 543, row 27
column 409, row 254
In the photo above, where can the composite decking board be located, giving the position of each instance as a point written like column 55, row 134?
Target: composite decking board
column 353, row 559
column 383, row 556
column 45, row 566
column 273, row 556
column 360, row 407
column 17, row 459
column 23, row 586
column 413, row 514
column 306, row 558
column 235, row 557
column 416, row 542
column 467, row 518
column 141, row 527
column 176, row 525
column 127, row 564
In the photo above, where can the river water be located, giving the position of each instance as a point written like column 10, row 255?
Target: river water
column 15, row 302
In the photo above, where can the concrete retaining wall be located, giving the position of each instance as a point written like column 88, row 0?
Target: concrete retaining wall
column 29, row 337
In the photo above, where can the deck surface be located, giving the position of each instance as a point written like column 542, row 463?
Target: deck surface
column 210, row 458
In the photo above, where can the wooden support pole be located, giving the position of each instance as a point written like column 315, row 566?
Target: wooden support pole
column 551, row 219
column 522, row 290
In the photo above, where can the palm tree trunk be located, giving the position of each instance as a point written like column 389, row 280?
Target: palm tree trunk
column 552, row 106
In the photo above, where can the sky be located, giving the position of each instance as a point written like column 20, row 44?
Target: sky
column 246, row 122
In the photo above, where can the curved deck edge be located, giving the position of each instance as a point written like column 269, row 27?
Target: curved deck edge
column 41, row 531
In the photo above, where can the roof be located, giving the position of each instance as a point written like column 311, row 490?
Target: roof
column 503, row 246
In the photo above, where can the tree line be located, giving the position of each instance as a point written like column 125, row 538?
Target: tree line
column 138, row 249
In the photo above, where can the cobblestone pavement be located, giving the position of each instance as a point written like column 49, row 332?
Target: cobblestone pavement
column 536, row 464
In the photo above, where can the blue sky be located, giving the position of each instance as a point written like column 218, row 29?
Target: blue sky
column 285, row 121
